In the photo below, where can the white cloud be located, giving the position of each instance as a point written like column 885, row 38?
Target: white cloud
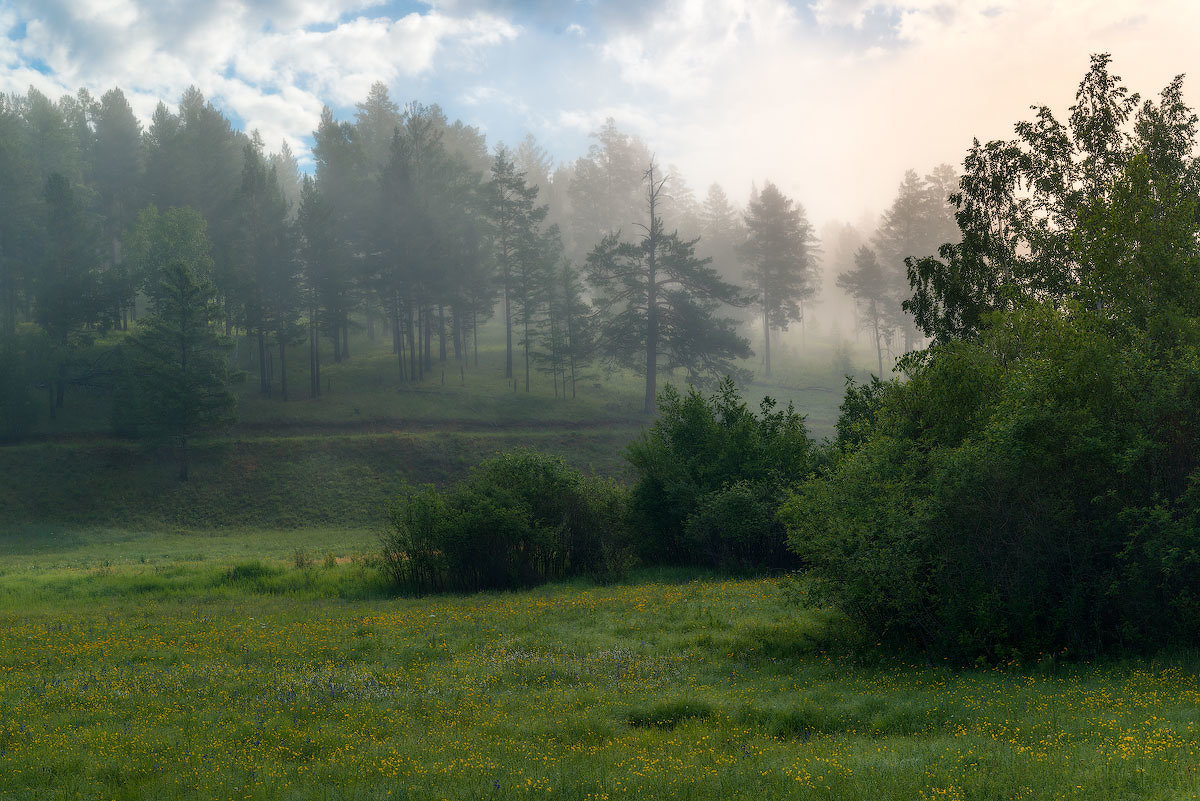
column 261, row 60
column 841, row 12
column 688, row 43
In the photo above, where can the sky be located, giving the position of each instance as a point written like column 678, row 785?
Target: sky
column 830, row 99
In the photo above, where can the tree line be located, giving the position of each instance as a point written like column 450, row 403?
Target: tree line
column 408, row 227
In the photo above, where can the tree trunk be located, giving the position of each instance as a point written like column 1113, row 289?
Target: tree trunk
column 766, row 342
column 507, row 330
column 652, row 306
column 441, row 333
column 427, row 332
column 282, row 366
column 412, row 340
column 314, row 356
column 878, row 344
column 475, row 334
column 456, row 329
column 183, row 460
column 264, row 386
column 526, row 350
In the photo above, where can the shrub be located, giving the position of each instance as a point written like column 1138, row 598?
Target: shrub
column 517, row 520
column 710, row 477
column 1029, row 491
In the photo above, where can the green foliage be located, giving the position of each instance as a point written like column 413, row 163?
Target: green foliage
column 710, row 474
column 858, row 411
column 517, row 520
column 1012, row 496
column 182, row 367
column 1031, row 487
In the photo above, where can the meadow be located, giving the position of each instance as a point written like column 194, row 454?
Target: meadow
column 174, row 665
column 233, row 637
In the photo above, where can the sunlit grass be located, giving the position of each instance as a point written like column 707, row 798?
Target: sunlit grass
column 208, row 672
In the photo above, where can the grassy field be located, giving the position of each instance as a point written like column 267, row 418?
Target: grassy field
column 274, row 664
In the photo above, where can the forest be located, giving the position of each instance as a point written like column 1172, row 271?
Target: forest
column 410, row 229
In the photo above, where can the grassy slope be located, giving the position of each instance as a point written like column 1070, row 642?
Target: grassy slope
column 338, row 460
column 137, row 665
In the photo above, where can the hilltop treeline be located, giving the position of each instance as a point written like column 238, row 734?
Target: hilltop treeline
column 409, row 227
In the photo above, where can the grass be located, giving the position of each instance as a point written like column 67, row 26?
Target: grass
column 266, row 481
column 185, row 664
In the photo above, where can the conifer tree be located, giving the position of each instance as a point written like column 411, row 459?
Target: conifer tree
column 515, row 220
column 182, row 362
column 655, row 298
column 779, row 250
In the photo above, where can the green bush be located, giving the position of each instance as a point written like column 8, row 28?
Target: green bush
column 1031, row 490
column 710, row 477
column 517, row 520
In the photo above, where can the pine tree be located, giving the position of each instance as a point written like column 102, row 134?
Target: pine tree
column 655, row 298
column 515, row 220
column 68, row 298
column 182, row 366
column 868, row 285
column 779, row 249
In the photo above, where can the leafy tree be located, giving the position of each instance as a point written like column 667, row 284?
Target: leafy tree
column 533, row 282
column 566, row 337
column 606, row 185
column 779, row 249
column 320, row 250
column 1031, row 486
column 54, row 144
column 656, row 298
column 1020, row 200
column 287, row 173
column 194, row 158
column 182, row 362
column 722, row 230
column 710, row 476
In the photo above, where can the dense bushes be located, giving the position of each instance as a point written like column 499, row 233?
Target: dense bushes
column 710, row 476
column 517, row 520
column 1037, row 488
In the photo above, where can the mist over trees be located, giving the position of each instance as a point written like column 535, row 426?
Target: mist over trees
column 408, row 227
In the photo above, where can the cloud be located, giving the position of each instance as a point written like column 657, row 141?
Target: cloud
column 841, row 12
column 272, row 63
